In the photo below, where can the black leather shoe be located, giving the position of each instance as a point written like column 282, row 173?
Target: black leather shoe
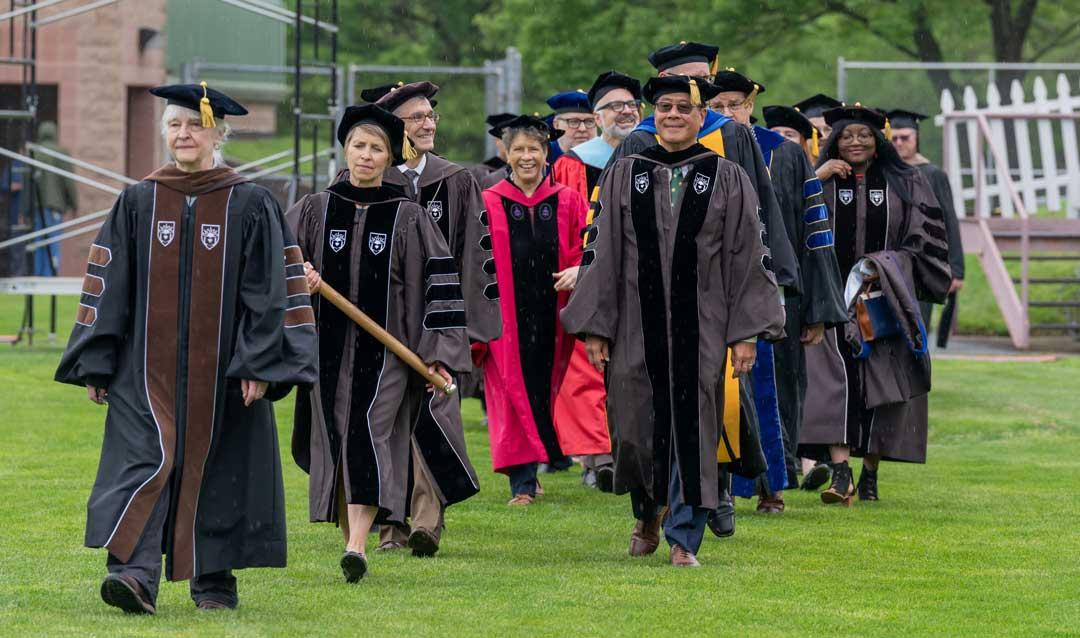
column 124, row 592
column 841, row 490
column 867, row 487
column 423, row 543
column 353, row 566
column 722, row 523
column 818, row 476
column 605, row 479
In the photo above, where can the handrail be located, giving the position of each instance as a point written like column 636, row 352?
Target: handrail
column 38, row 148
column 59, row 171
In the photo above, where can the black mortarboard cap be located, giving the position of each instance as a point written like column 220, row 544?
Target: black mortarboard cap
column 683, row 53
column 857, row 113
column 816, row 105
column 526, row 121
column 899, row 118
column 606, row 82
column 190, row 96
column 790, row 117
column 387, row 121
column 730, row 80
column 659, row 86
column 497, row 119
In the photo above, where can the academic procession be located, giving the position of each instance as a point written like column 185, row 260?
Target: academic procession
column 670, row 327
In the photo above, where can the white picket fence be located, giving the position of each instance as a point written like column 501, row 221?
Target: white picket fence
column 1045, row 166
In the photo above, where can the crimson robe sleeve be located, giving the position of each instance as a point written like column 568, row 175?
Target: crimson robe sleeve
column 594, row 304
column 276, row 340
column 753, row 300
column 434, row 303
column 101, row 323
column 481, row 289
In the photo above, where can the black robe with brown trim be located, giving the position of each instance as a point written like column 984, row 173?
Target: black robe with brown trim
column 671, row 288
column 384, row 254
column 184, row 297
column 869, row 216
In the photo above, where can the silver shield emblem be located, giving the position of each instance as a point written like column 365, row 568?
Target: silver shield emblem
column 701, row 183
column 210, row 235
column 166, row 231
column 877, row 196
column 846, row 195
column 376, row 242
column 641, row 182
column 337, row 240
column 435, row 210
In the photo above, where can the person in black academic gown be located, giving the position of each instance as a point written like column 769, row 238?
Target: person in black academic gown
column 494, row 169
column 187, row 328
column 353, row 433
column 904, row 127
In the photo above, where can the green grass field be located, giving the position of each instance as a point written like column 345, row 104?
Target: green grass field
column 980, row 541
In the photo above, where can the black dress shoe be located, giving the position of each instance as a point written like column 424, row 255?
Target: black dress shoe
column 867, row 487
column 353, row 566
column 127, row 594
column 818, row 476
column 841, row 490
column 605, row 479
column 423, row 543
column 722, row 521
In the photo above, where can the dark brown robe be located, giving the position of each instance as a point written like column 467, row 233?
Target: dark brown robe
column 870, row 216
column 189, row 289
column 671, row 288
column 384, row 254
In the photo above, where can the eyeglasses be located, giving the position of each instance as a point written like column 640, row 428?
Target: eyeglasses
column 628, row 105
column 577, row 122
column 418, row 119
column 685, row 108
column 901, row 137
column 856, row 137
column 730, row 106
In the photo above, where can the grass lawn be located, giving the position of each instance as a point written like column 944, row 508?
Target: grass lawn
column 980, row 541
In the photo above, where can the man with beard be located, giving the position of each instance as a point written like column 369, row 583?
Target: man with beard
column 905, row 137
column 442, row 472
column 779, row 376
column 580, row 416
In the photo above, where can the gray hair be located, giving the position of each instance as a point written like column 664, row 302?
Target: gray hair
column 175, row 111
column 537, row 134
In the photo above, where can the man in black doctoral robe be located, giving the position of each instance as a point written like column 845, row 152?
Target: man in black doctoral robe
column 673, row 275
column 451, row 198
column 189, row 313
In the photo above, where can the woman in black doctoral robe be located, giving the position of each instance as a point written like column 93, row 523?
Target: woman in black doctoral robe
column 384, row 254
column 882, row 208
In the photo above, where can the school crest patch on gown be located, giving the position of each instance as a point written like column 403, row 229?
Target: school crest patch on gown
column 846, row 195
column 545, row 212
column 376, row 242
column 337, row 240
column 641, row 182
column 210, row 235
column 701, row 183
column 166, row 231
column 435, row 210
column 877, row 196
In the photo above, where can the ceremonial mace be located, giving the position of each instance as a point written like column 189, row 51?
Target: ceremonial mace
column 385, row 338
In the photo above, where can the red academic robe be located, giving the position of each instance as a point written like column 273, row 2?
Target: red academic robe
column 581, row 407
column 532, row 237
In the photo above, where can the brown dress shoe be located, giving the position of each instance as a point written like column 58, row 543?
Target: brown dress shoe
column 521, row 499
column 646, row 537
column 772, row 505
column 211, row 605
column 680, row 557
column 423, row 543
column 124, row 592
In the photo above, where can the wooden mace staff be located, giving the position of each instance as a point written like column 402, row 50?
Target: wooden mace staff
column 385, row 338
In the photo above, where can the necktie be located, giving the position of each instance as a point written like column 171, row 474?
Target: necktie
column 410, row 188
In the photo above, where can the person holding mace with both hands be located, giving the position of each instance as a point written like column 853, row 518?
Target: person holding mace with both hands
column 385, row 256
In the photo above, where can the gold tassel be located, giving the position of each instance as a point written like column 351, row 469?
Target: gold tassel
column 695, row 93
column 205, row 110
column 815, row 149
column 715, row 66
column 407, row 150
column 888, row 130
column 753, row 94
